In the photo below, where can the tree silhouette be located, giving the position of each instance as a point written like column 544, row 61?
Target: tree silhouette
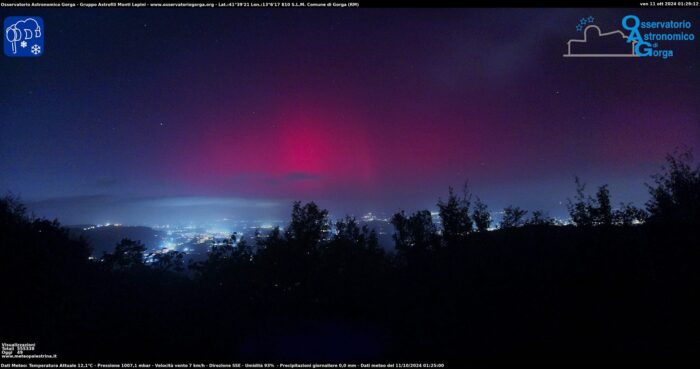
column 401, row 236
column 308, row 226
column 243, row 251
column 170, row 261
column 629, row 214
column 350, row 233
column 481, row 216
column 675, row 193
column 12, row 211
column 454, row 216
column 580, row 208
column 601, row 209
column 539, row 218
column 128, row 254
column 25, row 239
column 586, row 211
column 417, row 232
column 347, row 230
column 513, row 216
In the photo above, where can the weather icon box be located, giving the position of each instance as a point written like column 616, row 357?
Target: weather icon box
column 24, row 36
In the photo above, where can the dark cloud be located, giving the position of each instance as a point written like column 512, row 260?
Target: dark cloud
column 297, row 176
column 106, row 182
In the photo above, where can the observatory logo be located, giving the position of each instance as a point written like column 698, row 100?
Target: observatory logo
column 24, row 36
column 635, row 39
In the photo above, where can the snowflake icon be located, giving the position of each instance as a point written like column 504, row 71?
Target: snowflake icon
column 36, row 49
column 23, row 44
column 591, row 19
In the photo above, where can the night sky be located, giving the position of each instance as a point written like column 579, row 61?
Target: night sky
column 157, row 116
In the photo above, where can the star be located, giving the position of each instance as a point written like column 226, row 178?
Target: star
column 583, row 21
column 579, row 27
column 590, row 19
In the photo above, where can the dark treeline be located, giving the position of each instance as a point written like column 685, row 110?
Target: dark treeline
column 619, row 281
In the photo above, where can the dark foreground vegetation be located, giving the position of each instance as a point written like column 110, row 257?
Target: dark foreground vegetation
column 620, row 283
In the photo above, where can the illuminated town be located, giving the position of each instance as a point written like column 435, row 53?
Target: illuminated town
column 197, row 240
